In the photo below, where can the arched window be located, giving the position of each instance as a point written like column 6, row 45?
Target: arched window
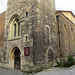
column 72, row 41
column 18, row 28
column 66, row 45
column 50, row 55
column 14, row 29
column 47, row 33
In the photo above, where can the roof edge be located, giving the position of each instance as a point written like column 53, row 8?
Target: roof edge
column 65, row 11
column 2, row 13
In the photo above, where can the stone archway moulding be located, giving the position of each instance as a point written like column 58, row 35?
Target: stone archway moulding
column 50, row 47
column 11, row 52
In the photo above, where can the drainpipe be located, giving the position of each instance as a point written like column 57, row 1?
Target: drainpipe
column 57, row 17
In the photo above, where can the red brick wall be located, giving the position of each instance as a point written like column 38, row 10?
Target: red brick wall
column 2, row 22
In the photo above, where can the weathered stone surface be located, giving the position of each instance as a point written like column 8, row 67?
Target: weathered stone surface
column 34, row 17
column 67, row 35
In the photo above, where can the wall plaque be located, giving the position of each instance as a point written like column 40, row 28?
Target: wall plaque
column 27, row 51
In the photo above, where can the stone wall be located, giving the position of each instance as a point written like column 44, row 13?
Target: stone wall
column 2, row 24
column 44, row 17
column 19, row 10
column 67, row 35
column 34, row 17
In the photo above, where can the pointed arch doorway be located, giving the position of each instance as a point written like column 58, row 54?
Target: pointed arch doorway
column 17, row 58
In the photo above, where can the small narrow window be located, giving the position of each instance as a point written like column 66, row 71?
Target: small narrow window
column 26, row 14
column 18, row 29
column 26, row 38
column 14, row 30
column 47, row 35
column 65, row 25
column 4, row 55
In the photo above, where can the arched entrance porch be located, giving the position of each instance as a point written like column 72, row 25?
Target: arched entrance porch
column 16, row 58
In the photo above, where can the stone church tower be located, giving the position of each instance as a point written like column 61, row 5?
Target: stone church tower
column 30, row 32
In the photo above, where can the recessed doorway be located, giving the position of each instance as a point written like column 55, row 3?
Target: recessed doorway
column 17, row 58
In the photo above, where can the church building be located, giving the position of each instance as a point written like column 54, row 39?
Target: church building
column 33, row 35
column 30, row 33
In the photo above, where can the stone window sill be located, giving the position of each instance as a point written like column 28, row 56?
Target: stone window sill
column 14, row 38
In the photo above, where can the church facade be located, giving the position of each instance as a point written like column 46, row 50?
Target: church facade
column 30, row 32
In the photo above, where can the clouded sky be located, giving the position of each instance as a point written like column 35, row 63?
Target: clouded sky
column 65, row 5
column 60, row 5
column 3, row 4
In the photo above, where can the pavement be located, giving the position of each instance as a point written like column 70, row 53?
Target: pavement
column 51, row 71
column 58, row 71
column 10, row 72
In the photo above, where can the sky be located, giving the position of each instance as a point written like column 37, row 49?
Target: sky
column 68, row 5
